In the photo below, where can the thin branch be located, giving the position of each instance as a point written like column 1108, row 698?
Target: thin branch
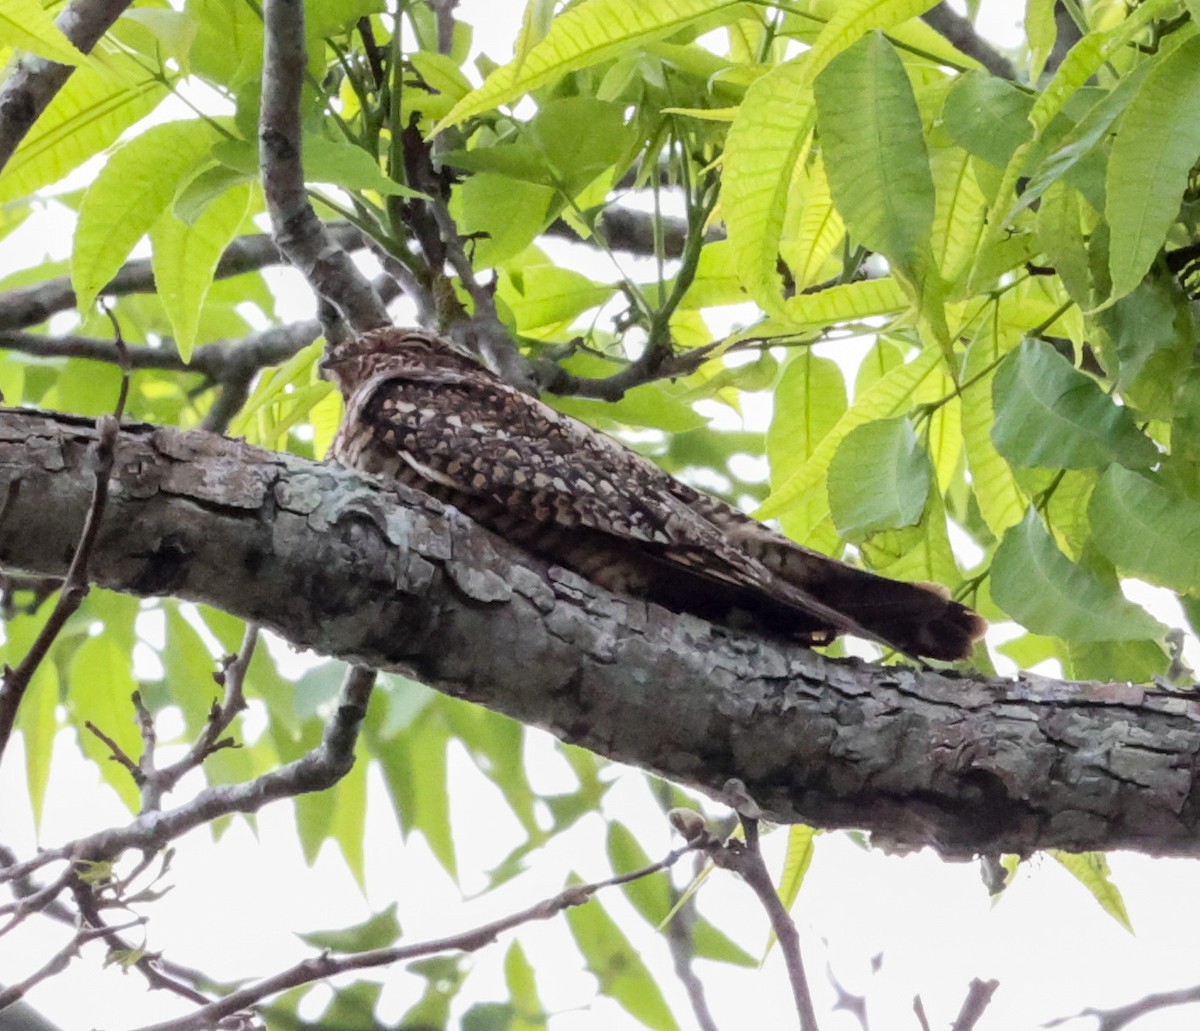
column 90, row 909
column 76, row 585
column 317, row 770
column 325, row 965
column 855, row 1005
column 1123, row 1016
column 298, row 232
column 35, row 81
column 625, row 229
column 233, row 677
column 57, row 963
column 746, row 860
column 682, row 944
column 27, row 306
column 557, row 380
column 979, row 994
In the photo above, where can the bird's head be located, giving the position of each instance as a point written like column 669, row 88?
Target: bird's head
column 352, row 362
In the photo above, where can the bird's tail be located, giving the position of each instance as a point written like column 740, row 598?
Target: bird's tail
column 916, row 618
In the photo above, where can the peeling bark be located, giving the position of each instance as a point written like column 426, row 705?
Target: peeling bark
column 388, row 577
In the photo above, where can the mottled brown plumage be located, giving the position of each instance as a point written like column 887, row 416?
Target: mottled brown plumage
column 420, row 412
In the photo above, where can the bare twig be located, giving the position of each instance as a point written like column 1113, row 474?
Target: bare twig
column 35, row 81
column 317, row 770
column 745, row 859
column 32, row 305
column 852, row 1003
column 683, row 950
column 680, row 935
column 919, row 1012
column 232, row 677
column 748, row 863
column 148, row 965
column 625, row 229
column 979, row 994
column 75, row 587
column 298, row 232
column 56, row 963
column 326, row 965
column 1123, row 1016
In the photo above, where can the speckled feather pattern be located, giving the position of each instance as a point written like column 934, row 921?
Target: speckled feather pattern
column 420, row 412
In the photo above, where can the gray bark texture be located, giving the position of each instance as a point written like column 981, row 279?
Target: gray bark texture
column 387, row 577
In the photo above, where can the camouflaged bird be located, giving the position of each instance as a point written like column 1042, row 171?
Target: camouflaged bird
column 423, row 413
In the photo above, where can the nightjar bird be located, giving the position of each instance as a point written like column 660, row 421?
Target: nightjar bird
column 421, row 412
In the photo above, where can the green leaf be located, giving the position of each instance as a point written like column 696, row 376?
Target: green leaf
column 445, row 976
column 1046, row 592
column 1091, row 870
column 1001, row 501
column 509, row 213
column 958, row 223
column 543, row 299
column 1049, row 414
column 580, row 37
column 1135, row 662
column 1185, row 430
column 1041, row 31
column 376, row 932
column 528, row 1012
column 813, row 229
column 761, row 149
column 186, row 256
column 100, row 686
column 347, row 165
column 614, row 962
column 127, row 197
column 228, row 46
column 27, row 25
column 890, row 396
column 1157, row 141
column 987, row 116
column 809, row 401
column 575, row 158
column 651, row 897
column 796, row 861
column 99, row 102
column 347, row 826
column 845, row 302
column 878, row 479
column 1086, row 57
column 1079, row 146
column 37, row 717
column 1146, row 530
column 188, row 669
column 420, row 756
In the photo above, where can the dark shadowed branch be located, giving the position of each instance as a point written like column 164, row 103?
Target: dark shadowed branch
column 961, row 32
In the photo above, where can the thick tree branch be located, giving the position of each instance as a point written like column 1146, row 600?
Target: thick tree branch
column 391, row 579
